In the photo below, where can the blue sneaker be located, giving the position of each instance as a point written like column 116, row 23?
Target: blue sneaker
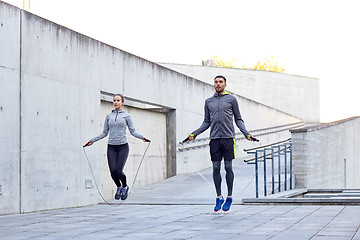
column 219, row 202
column 124, row 192
column 118, row 193
column 227, row 204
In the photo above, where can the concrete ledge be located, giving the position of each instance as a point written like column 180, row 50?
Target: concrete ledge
column 304, row 201
column 311, row 197
column 323, row 125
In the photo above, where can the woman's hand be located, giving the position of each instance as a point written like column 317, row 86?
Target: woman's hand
column 89, row 143
column 145, row 139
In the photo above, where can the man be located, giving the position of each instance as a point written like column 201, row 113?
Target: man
column 220, row 109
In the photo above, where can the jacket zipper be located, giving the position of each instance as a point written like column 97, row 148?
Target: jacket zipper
column 219, row 113
column 116, row 115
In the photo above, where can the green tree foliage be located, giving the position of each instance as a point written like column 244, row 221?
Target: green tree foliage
column 224, row 63
column 268, row 65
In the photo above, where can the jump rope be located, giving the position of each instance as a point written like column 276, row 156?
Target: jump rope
column 201, row 175
column 142, row 159
column 92, row 173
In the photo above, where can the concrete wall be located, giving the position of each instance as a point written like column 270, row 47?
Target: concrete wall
column 9, row 108
column 296, row 95
column 319, row 153
column 52, row 81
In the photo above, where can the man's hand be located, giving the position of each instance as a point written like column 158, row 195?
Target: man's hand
column 191, row 137
column 251, row 138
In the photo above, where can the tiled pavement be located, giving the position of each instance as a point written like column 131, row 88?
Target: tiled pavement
column 181, row 208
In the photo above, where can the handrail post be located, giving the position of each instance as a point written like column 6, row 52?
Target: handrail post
column 279, row 168
column 291, row 175
column 285, row 166
column 256, row 174
column 265, row 192
column 272, row 172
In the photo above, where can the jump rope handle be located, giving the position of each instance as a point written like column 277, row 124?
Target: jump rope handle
column 185, row 140
column 254, row 139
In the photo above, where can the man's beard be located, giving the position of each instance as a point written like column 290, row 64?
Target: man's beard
column 219, row 91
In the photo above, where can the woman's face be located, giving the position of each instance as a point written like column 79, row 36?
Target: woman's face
column 118, row 103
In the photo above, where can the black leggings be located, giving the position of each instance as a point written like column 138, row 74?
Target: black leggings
column 117, row 156
column 217, row 176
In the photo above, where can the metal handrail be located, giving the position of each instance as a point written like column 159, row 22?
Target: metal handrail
column 251, row 149
column 283, row 148
column 252, row 159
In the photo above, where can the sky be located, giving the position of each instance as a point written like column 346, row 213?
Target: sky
column 313, row 38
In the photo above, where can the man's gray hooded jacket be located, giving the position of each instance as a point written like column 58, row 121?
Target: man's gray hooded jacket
column 220, row 110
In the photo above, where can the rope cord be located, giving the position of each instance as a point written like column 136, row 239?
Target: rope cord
column 92, row 173
column 139, row 168
column 210, row 183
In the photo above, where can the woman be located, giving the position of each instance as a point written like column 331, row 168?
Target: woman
column 118, row 148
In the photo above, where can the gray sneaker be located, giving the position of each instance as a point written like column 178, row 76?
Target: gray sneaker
column 118, row 193
column 124, row 192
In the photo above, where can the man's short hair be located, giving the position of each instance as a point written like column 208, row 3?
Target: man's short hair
column 220, row 76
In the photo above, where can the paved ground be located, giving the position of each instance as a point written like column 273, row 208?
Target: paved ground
column 182, row 208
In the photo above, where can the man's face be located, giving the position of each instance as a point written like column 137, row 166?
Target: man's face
column 219, row 85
